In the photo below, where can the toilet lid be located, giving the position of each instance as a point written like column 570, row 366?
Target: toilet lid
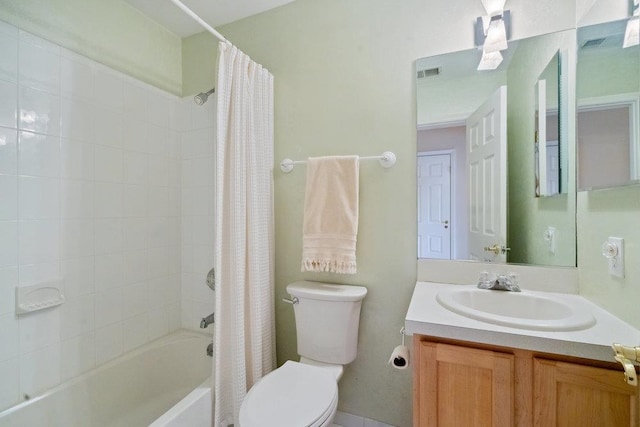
column 293, row 395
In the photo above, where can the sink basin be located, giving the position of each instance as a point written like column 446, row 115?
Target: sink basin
column 524, row 310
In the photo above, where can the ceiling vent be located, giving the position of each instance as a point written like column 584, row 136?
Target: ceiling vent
column 593, row 43
column 429, row 72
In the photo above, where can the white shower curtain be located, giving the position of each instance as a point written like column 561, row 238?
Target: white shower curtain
column 245, row 325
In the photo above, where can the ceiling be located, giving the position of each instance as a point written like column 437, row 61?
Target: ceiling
column 214, row 12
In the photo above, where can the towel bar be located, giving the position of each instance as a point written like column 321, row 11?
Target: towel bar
column 387, row 160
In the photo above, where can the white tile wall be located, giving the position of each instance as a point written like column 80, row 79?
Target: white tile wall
column 198, row 172
column 90, row 190
column 9, row 106
column 8, row 150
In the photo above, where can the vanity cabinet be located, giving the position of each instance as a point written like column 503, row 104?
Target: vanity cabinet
column 466, row 384
column 461, row 386
column 569, row 394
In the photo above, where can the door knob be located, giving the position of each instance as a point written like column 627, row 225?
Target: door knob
column 497, row 249
column 493, row 248
column 446, row 223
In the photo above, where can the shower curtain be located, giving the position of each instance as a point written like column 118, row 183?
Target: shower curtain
column 245, row 325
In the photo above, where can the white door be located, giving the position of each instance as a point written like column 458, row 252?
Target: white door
column 553, row 168
column 487, row 165
column 434, row 206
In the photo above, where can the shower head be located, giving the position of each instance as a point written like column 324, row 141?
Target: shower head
column 201, row 98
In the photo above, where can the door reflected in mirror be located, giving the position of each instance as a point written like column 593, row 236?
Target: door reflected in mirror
column 608, row 98
column 462, row 181
column 476, row 158
column 547, row 142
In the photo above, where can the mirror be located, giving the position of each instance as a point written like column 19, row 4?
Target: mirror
column 608, row 97
column 548, row 177
column 501, row 220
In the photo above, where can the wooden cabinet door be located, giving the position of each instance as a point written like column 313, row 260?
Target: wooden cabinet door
column 459, row 386
column 568, row 394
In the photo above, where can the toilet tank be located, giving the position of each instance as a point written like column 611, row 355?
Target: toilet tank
column 327, row 320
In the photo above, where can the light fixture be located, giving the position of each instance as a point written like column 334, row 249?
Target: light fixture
column 496, row 35
column 493, row 31
column 491, row 35
column 632, row 33
column 489, row 60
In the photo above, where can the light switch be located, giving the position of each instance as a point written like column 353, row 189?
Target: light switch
column 613, row 250
column 549, row 236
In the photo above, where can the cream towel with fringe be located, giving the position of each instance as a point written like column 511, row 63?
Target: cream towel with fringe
column 330, row 224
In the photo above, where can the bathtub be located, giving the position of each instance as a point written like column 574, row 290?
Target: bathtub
column 133, row 390
column 195, row 410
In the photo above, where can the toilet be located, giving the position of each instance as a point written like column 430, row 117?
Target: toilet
column 305, row 393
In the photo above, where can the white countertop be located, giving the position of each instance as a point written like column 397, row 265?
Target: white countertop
column 426, row 316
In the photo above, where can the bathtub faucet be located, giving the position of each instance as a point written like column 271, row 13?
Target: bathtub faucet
column 210, row 350
column 206, row 321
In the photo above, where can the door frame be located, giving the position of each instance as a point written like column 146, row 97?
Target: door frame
column 630, row 100
column 452, row 194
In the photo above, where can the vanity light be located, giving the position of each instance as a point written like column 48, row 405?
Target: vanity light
column 632, row 33
column 496, row 34
column 489, row 61
column 492, row 33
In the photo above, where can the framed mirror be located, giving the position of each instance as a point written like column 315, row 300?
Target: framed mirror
column 484, row 208
column 608, row 98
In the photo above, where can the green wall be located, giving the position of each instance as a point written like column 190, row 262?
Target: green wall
column 107, row 31
column 200, row 53
column 603, row 213
column 345, row 84
column 607, row 72
column 609, row 212
column 530, row 216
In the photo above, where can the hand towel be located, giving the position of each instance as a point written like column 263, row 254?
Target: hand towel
column 330, row 223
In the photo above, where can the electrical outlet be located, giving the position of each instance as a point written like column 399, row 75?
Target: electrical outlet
column 616, row 263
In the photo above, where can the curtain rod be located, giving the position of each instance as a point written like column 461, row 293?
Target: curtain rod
column 387, row 160
column 199, row 20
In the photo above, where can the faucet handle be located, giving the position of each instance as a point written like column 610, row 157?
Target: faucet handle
column 512, row 282
column 484, row 281
column 206, row 321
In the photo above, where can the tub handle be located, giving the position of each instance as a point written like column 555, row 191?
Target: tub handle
column 293, row 300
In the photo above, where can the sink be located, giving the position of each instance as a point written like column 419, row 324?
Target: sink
column 523, row 310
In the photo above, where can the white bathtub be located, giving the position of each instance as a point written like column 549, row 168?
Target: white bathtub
column 194, row 410
column 132, row 390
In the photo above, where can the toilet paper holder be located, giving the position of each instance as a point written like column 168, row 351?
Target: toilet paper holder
column 400, row 355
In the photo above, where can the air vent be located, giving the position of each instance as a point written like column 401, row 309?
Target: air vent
column 429, row 72
column 590, row 44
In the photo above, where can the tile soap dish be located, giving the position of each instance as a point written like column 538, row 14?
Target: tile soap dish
column 39, row 296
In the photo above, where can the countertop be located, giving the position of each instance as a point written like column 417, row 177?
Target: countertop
column 426, row 316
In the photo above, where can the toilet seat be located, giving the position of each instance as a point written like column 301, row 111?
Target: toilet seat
column 294, row 395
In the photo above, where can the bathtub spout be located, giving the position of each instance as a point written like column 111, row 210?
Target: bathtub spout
column 210, row 350
column 206, row 321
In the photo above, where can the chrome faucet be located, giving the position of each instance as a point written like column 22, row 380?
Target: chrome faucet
column 503, row 282
column 206, row 321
